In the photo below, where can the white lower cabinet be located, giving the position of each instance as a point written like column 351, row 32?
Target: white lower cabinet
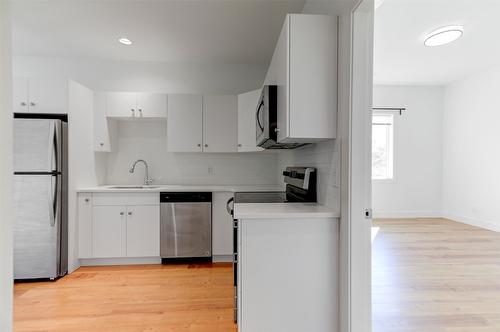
column 143, row 236
column 118, row 225
column 222, row 226
column 109, row 232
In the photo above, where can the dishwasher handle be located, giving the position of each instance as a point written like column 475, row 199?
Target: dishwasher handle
column 229, row 207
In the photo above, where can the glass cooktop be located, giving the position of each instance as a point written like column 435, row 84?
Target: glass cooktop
column 260, row 197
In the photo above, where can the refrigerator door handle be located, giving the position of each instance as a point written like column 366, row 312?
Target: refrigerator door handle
column 54, row 201
column 57, row 149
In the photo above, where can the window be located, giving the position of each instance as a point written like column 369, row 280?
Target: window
column 382, row 146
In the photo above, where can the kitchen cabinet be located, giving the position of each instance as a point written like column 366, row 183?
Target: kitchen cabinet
column 109, row 232
column 105, row 130
column 143, row 235
column 202, row 123
column 119, row 225
column 136, row 105
column 222, row 227
column 185, row 123
column 40, row 95
column 220, row 118
column 247, row 106
column 85, row 225
column 304, row 68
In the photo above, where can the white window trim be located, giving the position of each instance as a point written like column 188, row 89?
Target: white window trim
column 393, row 179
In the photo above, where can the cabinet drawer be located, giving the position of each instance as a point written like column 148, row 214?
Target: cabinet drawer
column 126, row 199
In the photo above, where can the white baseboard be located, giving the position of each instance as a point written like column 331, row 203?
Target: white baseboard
column 406, row 214
column 486, row 224
column 119, row 261
column 222, row 258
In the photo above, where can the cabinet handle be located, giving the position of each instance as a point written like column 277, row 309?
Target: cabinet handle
column 206, row 145
column 23, row 103
column 140, row 111
column 32, row 104
column 239, row 145
column 199, row 145
column 87, row 200
column 130, row 213
column 133, row 112
column 101, row 144
column 122, row 213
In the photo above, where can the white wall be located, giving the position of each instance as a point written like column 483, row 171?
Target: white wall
column 417, row 187
column 471, row 159
column 6, row 213
column 147, row 140
column 107, row 75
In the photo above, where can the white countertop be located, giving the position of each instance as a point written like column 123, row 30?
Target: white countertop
column 202, row 188
column 283, row 211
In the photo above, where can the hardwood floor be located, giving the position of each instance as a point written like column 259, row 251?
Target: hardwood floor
column 129, row 298
column 435, row 275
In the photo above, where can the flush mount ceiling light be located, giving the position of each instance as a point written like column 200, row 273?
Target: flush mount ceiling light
column 125, row 41
column 444, row 35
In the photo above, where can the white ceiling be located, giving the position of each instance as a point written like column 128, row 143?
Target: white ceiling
column 202, row 31
column 400, row 27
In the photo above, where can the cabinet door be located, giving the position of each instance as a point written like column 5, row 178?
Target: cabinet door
column 184, row 123
column 48, row 95
column 103, row 130
column 20, row 94
column 85, row 225
column 220, row 123
column 121, row 104
column 152, row 105
column 143, row 231
column 222, row 225
column 109, row 231
column 247, row 105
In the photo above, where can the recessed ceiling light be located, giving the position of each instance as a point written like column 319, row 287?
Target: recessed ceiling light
column 444, row 35
column 125, row 41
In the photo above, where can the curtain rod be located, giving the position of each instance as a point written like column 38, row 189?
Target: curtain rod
column 390, row 109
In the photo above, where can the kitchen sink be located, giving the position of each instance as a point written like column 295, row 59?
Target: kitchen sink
column 133, row 187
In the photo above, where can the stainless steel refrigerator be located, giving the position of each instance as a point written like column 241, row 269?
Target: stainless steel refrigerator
column 40, row 197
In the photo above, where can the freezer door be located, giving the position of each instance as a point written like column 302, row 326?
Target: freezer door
column 37, row 145
column 186, row 230
column 37, row 226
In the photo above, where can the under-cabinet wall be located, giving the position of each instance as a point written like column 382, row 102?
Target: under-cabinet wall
column 146, row 140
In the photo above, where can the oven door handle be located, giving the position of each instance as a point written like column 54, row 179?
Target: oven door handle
column 228, row 206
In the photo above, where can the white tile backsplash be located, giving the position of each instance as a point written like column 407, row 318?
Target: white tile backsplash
column 148, row 141
column 325, row 157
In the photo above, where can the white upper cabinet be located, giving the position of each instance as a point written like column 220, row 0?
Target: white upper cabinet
column 105, row 130
column 220, row 118
column 121, row 104
column 20, row 98
column 185, row 123
column 152, row 105
column 304, row 67
column 136, row 105
column 40, row 95
column 247, row 105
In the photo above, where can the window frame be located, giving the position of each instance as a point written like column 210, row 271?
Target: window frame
column 393, row 147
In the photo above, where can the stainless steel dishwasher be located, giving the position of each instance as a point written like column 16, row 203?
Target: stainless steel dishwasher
column 185, row 226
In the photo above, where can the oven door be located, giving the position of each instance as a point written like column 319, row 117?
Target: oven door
column 262, row 119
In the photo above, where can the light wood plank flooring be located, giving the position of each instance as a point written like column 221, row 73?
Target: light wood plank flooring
column 435, row 275
column 132, row 298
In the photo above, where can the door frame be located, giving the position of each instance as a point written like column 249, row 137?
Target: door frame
column 355, row 241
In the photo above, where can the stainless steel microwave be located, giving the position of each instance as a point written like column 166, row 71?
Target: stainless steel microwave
column 266, row 121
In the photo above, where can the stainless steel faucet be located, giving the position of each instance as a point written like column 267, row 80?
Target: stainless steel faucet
column 147, row 180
